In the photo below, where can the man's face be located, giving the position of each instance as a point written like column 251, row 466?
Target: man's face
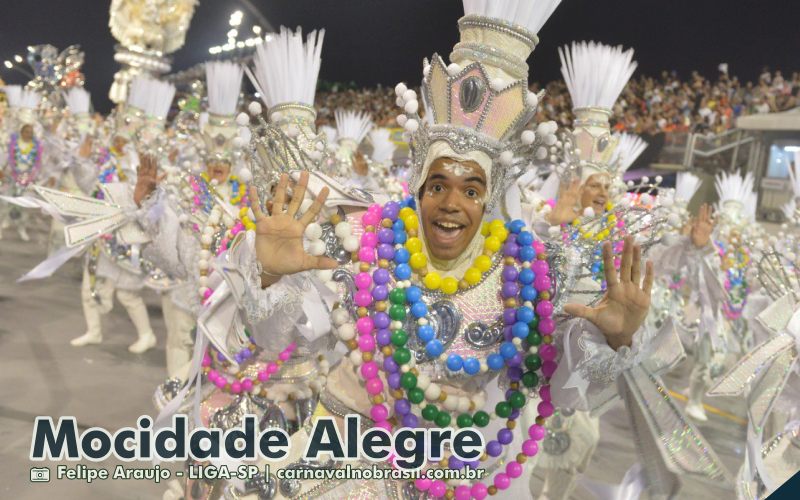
column 451, row 206
column 120, row 142
column 218, row 170
column 594, row 192
column 26, row 133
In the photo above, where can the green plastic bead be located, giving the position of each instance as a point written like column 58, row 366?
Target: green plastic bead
column 408, row 381
column 517, row 400
column 402, row 356
column 532, row 362
column 481, row 418
column 430, row 412
column 416, row 395
column 399, row 338
column 443, row 419
column 530, row 379
column 464, row 420
column 503, row 409
column 534, row 338
column 534, row 324
column 397, row 296
column 397, row 312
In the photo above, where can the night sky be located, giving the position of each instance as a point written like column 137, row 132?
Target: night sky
column 383, row 41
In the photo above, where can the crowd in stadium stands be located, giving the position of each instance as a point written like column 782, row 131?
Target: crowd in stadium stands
column 648, row 106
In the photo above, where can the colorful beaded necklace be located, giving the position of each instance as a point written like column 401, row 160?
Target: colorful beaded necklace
column 30, row 158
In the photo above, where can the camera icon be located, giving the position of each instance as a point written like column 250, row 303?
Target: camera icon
column 40, row 475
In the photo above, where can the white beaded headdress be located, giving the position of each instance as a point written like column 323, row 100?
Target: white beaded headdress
column 219, row 131
column 737, row 200
column 24, row 102
column 285, row 71
column 352, row 127
column 478, row 106
column 79, row 103
column 595, row 75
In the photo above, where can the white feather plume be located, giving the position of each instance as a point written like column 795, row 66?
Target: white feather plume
column 531, row 14
column 152, row 96
column 734, row 187
column 686, row 185
column 352, row 125
column 286, row 69
column 78, row 100
column 595, row 74
column 629, row 148
column 790, row 207
column 224, row 82
column 13, row 95
column 382, row 146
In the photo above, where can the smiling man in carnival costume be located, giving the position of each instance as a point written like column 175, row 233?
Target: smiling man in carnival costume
column 449, row 318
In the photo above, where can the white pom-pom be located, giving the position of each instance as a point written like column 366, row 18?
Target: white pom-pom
column 453, row 69
column 588, row 212
column 244, row 133
column 238, row 142
column 630, row 184
column 674, row 220
column 276, row 116
column 293, row 130
column 350, row 243
column 399, row 102
column 528, row 136
column 316, row 248
column 409, row 95
column 497, row 84
column 242, row 119
column 401, row 120
column 343, row 230
column 543, row 129
column 550, row 139
column 506, row 158
column 541, row 153
column 313, row 231
column 645, row 179
column 254, row 108
column 659, row 179
column 411, row 107
column 411, row 126
column 532, row 100
column 400, row 89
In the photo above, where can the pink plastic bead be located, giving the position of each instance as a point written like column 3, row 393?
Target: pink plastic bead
column 545, row 408
column 366, row 254
column 538, row 246
column 272, row 368
column 212, row 375
column 365, row 325
column 206, row 360
column 247, row 384
column 502, row 481
column 540, row 267
column 438, row 489
column 385, row 425
column 374, row 386
column 514, row 469
column 220, row 382
column 369, row 239
column 363, row 280
column 544, row 393
column 284, row 356
column 369, row 370
column 544, row 308
column 530, row 447
column 479, row 491
column 537, row 432
column 542, row 283
column 263, row 376
column 549, row 368
column 370, row 218
column 548, row 352
column 423, row 484
column 207, row 294
column 363, row 298
column 366, row 343
column 379, row 413
column 546, row 326
column 462, row 493
column 236, row 387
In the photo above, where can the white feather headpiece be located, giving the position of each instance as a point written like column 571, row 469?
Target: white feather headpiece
column 530, row 14
column 13, row 95
column 686, row 185
column 151, row 96
column 595, row 74
column 352, row 125
column 79, row 101
column 382, row 146
column 736, row 196
column 790, row 208
column 224, row 82
column 629, row 148
column 286, row 68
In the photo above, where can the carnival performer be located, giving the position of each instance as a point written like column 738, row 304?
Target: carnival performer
column 198, row 215
column 113, row 264
column 439, row 296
